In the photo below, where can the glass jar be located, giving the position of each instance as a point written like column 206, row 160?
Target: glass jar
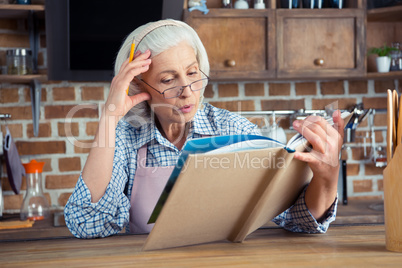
column 380, row 157
column 241, row 4
column 35, row 205
column 227, row 4
column 19, row 61
column 290, row 3
column 312, row 3
column 396, row 57
column 23, row 2
column 337, row 3
column 259, row 4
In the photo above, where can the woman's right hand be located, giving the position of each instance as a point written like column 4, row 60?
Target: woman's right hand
column 118, row 102
column 99, row 166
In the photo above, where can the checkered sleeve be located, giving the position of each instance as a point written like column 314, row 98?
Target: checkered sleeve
column 297, row 218
column 110, row 214
column 88, row 220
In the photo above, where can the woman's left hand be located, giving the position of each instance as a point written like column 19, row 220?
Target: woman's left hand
column 323, row 159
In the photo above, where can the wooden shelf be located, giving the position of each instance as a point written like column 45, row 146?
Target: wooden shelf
column 19, row 11
column 26, row 79
column 22, row 79
column 385, row 14
column 389, row 75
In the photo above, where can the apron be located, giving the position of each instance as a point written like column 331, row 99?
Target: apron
column 149, row 183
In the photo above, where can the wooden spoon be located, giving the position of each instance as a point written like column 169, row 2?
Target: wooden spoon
column 390, row 124
column 395, row 119
column 399, row 131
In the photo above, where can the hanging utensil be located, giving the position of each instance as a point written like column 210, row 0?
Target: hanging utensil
column 35, row 103
column 368, row 111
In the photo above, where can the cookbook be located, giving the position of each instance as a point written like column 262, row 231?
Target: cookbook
column 226, row 187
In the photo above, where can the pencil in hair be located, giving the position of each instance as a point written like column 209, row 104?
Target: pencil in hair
column 131, row 56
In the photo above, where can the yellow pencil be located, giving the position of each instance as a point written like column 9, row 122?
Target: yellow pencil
column 131, row 56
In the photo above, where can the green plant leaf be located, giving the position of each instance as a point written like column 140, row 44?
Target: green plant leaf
column 381, row 51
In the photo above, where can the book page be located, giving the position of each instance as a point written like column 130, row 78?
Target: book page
column 247, row 145
column 216, row 145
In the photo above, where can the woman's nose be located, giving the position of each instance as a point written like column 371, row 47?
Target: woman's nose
column 187, row 92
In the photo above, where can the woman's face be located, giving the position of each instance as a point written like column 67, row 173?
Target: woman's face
column 176, row 66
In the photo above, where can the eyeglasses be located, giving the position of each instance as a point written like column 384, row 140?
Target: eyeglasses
column 175, row 92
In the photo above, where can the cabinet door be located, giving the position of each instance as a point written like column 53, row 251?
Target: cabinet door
column 320, row 43
column 240, row 43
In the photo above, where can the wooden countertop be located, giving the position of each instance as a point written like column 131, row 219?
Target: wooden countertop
column 356, row 238
column 341, row 246
column 356, row 212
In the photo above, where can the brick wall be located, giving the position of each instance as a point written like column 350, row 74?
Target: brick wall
column 64, row 159
column 364, row 178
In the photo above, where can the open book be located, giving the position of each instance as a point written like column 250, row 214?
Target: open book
column 226, row 187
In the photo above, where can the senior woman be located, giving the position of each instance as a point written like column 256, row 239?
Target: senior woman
column 140, row 137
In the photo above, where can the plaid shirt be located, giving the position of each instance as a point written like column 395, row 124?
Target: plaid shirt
column 111, row 213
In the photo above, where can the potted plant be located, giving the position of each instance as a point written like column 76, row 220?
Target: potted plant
column 383, row 59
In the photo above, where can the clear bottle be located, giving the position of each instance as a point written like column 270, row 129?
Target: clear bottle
column 35, row 205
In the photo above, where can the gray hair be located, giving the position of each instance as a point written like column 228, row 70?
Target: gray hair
column 158, row 37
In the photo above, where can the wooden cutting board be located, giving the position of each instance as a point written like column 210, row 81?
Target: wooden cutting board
column 16, row 224
column 393, row 202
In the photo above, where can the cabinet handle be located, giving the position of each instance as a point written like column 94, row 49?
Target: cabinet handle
column 231, row 63
column 319, row 62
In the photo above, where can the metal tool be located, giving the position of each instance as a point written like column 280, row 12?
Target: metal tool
column 35, row 102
